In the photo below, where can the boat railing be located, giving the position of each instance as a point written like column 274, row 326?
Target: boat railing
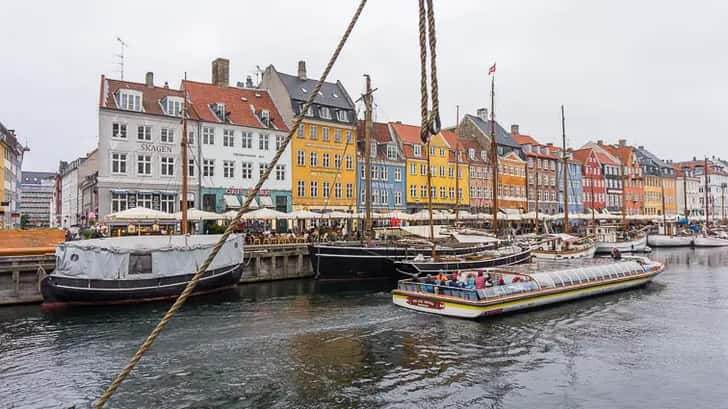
column 431, row 288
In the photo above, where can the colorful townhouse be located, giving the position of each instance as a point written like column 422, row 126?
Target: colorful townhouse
column 717, row 186
column 593, row 180
column 235, row 133
column 458, row 169
column 574, row 188
column 659, row 179
column 542, row 186
column 611, row 169
column 324, row 149
column 11, row 160
column 387, row 169
column 479, row 174
column 632, row 179
column 416, row 156
column 687, row 191
column 512, row 182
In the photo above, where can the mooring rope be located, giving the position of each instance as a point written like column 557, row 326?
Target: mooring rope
column 109, row 392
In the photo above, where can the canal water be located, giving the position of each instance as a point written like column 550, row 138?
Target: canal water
column 297, row 344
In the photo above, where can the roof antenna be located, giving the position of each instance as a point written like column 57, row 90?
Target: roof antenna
column 122, row 45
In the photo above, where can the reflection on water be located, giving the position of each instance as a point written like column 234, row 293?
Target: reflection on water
column 306, row 344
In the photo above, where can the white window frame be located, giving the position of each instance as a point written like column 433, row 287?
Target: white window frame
column 125, row 162
column 166, row 166
column 166, row 135
column 144, row 133
column 228, row 169
column 121, row 129
column 146, row 161
column 246, row 170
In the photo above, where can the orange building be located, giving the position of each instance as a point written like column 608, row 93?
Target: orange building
column 512, row 182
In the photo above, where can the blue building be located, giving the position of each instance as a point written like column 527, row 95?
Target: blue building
column 573, row 179
column 387, row 170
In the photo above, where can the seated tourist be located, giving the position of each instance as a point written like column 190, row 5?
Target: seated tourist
column 480, row 281
column 470, row 282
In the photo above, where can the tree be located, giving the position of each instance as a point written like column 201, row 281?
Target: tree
column 24, row 221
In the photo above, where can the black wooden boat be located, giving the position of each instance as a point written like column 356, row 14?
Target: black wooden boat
column 137, row 269
column 445, row 264
column 352, row 260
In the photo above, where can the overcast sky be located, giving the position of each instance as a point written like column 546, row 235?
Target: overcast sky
column 653, row 72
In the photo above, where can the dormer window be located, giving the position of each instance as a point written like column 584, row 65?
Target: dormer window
column 130, row 100
column 471, row 154
column 391, row 152
column 219, row 110
column 309, row 111
column 265, row 117
column 484, row 155
column 342, row 116
column 172, row 105
column 325, row 113
column 373, row 150
column 417, row 150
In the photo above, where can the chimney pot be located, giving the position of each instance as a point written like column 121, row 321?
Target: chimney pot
column 641, row 147
column 166, row 84
column 221, row 72
column 600, row 142
column 302, row 70
column 622, row 142
column 482, row 113
column 149, row 79
column 249, row 82
column 514, row 130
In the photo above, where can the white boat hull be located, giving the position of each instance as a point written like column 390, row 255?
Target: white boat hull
column 636, row 245
column 662, row 240
column 460, row 310
column 710, row 242
column 542, row 255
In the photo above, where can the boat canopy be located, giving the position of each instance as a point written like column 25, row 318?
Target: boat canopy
column 604, row 271
column 144, row 256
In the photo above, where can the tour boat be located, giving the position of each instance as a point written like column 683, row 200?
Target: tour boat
column 422, row 265
column 564, row 246
column 135, row 269
column 709, row 241
column 608, row 238
column 522, row 288
column 664, row 240
column 345, row 261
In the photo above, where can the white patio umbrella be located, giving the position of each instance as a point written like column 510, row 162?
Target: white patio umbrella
column 397, row 215
column 336, row 214
column 195, row 215
column 304, row 214
column 265, row 214
column 139, row 213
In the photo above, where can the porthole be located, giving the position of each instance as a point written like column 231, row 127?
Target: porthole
column 74, row 257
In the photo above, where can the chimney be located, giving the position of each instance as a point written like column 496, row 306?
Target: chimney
column 149, row 79
column 249, row 82
column 694, row 159
column 302, row 70
column 622, row 142
column 641, row 147
column 514, row 130
column 221, row 72
column 166, row 84
column 482, row 113
column 600, row 142
column 550, row 144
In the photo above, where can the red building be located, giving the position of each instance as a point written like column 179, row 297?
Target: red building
column 593, row 183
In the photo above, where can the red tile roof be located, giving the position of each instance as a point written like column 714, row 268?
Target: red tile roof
column 605, row 159
column 242, row 103
column 151, row 96
column 581, row 155
column 408, row 134
column 381, row 132
column 522, row 139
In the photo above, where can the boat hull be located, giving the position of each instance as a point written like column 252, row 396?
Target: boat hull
column 710, row 242
column 636, row 245
column 413, row 268
column 61, row 290
column 449, row 306
column 359, row 262
column 556, row 255
column 661, row 240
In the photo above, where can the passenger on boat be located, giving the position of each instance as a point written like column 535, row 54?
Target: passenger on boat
column 616, row 254
column 480, row 281
column 470, row 283
column 501, row 281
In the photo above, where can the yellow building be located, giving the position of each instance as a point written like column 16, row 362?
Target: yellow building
column 442, row 166
column 323, row 149
column 670, row 192
column 652, row 194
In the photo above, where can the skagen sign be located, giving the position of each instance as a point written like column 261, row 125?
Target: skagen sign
column 150, row 147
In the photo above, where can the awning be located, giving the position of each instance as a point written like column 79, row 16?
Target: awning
column 231, row 202
column 266, row 201
column 253, row 203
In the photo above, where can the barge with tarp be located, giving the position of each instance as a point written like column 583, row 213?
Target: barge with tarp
column 528, row 286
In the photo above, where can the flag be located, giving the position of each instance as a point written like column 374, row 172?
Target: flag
column 491, row 70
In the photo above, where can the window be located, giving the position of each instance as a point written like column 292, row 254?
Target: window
column 173, row 106
column 443, row 193
column 313, row 132
column 314, row 189
column 228, row 169
column 228, row 138
column 301, row 158
column 262, row 168
column 342, row 115
column 349, row 162
column 219, row 110
column 413, row 169
column 326, row 160
column 246, row 140
column 423, row 191
column 337, row 161
column 309, row 111
column 191, row 138
column 417, row 150
column 265, row 117
column 384, row 197
column 301, row 131
column 118, row 202
column 191, row 168
column 325, row 134
column 130, row 101
column 337, row 190
column 337, row 135
column 166, row 135
column 432, row 151
column 246, row 170
column 423, row 170
column 413, row 190
column 144, row 133
column 374, row 172
column 280, row 172
column 166, row 203
column 167, row 166
column 451, row 193
column 397, row 175
column 326, row 187
column 442, row 152
column 208, row 167
column 348, row 136
column 208, row 135
column 314, row 159
column 118, row 163
column 391, row 152
column 451, row 172
column 383, row 173
column 301, row 188
column 144, row 200
column 349, row 191
column 144, row 165
column 263, row 142
column 118, row 130
column 280, row 139
column 325, row 113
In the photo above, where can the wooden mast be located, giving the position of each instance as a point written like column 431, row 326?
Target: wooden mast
column 624, row 196
column 185, row 164
column 705, row 174
column 664, row 213
column 685, row 192
column 494, row 155
column 429, row 197
column 565, row 171
column 368, row 128
column 535, row 227
column 457, row 163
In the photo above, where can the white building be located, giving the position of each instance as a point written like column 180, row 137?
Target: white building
column 11, row 161
column 36, row 197
column 70, row 193
column 688, row 189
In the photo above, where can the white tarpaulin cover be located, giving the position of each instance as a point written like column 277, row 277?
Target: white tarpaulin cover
column 108, row 258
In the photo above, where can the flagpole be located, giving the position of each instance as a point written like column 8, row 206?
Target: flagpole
column 493, row 151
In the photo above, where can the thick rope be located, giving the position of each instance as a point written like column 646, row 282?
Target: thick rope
column 435, row 113
column 424, row 103
column 109, row 392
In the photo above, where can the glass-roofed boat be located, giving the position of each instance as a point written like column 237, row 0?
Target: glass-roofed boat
column 484, row 292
